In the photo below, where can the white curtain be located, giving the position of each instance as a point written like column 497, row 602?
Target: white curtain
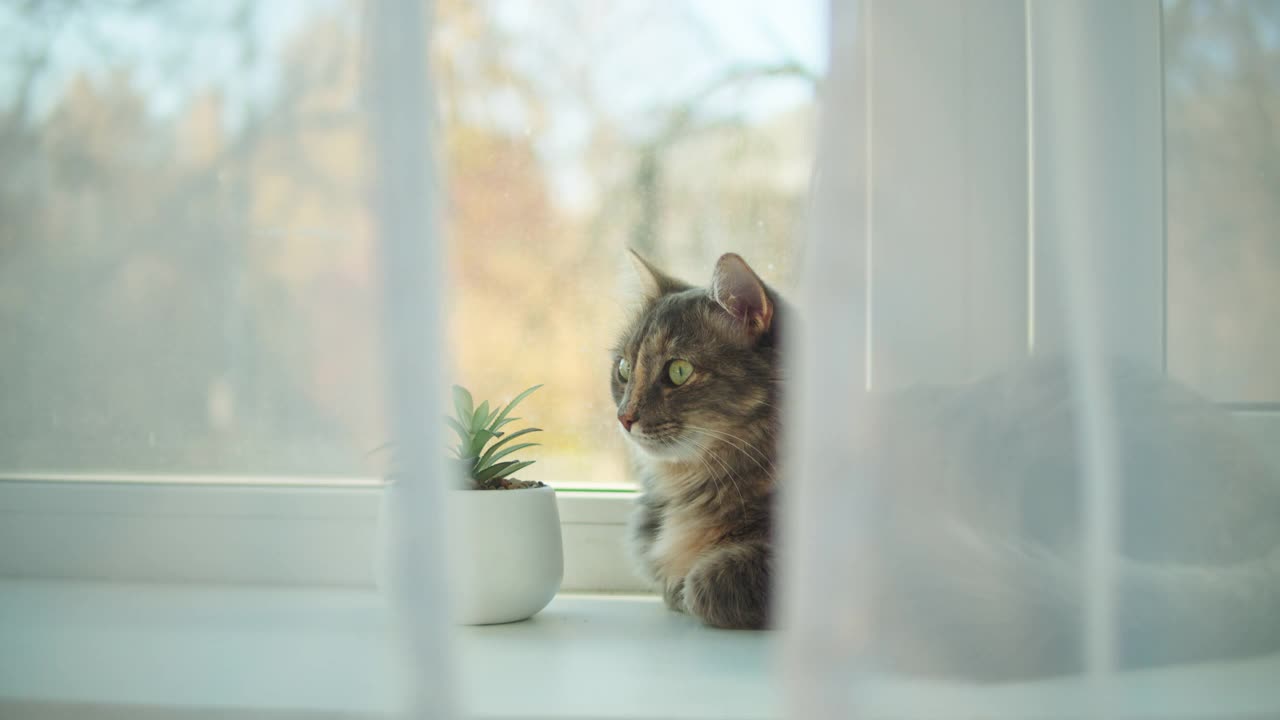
column 989, row 188
column 407, row 198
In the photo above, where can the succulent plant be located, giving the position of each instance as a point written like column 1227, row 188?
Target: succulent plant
column 476, row 428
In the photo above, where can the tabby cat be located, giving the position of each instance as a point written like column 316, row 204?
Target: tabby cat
column 979, row 538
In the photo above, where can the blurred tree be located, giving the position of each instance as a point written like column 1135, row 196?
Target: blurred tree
column 123, row 286
column 187, row 280
column 1222, row 62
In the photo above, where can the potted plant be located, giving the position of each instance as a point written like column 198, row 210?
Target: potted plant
column 504, row 553
column 476, row 428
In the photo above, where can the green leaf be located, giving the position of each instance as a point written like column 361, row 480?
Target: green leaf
column 463, row 434
column 508, row 438
column 496, row 425
column 483, row 463
column 481, row 416
column 492, row 457
column 475, row 446
column 462, row 403
column 517, row 468
column 511, row 406
column 478, row 441
column 488, row 421
column 492, row 472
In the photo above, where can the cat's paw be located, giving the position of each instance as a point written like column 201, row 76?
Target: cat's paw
column 729, row 587
column 673, row 594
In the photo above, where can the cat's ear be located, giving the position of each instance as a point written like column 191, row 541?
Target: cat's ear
column 653, row 282
column 737, row 289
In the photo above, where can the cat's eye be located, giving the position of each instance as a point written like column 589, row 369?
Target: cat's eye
column 679, row 371
column 624, row 370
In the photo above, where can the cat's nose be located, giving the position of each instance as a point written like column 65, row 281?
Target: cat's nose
column 627, row 419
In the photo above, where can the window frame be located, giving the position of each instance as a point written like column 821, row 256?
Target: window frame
column 237, row 531
column 321, row 530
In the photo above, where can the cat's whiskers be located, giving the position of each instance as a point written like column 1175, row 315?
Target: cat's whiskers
column 769, row 405
column 729, row 476
column 749, row 452
column 729, row 439
column 698, row 451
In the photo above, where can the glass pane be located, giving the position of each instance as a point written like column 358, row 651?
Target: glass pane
column 571, row 139
column 1222, row 104
column 188, row 282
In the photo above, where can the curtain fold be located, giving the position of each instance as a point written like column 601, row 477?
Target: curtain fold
column 407, row 199
column 985, row 235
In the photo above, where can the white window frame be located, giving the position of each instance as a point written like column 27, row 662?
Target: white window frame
column 314, row 531
column 272, row 531
column 961, row 120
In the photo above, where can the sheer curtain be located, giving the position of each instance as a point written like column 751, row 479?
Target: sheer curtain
column 989, row 190
column 407, row 199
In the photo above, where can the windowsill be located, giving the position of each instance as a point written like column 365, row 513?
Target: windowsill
column 254, row 650
column 114, row 650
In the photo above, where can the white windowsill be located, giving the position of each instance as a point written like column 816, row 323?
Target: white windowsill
column 89, row 646
column 114, row 650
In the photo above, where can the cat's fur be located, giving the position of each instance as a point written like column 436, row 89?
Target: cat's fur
column 979, row 537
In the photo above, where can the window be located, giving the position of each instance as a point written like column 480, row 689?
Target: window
column 569, row 140
column 990, row 184
column 188, row 284
column 1222, row 77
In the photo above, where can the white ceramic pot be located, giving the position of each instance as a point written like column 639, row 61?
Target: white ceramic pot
column 505, row 557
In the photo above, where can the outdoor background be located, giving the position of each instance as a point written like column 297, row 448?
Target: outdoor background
column 188, row 282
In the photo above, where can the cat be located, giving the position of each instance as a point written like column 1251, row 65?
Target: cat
column 978, row 528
